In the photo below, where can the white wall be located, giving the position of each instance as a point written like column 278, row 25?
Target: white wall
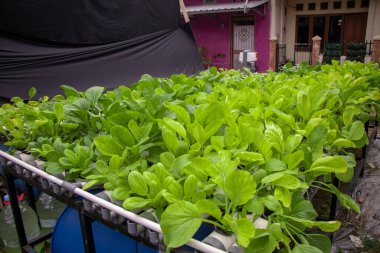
column 277, row 20
column 373, row 21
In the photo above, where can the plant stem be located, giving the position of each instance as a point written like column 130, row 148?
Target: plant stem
column 214, row 223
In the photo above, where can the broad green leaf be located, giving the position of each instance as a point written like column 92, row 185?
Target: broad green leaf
column 255, row 206
column 357, row 131
column 9, row 125
column 190, row 186
column 170, row 140
column 287, row 181
column 275, row 165
column 69, row 91
column 292, row 142
column 274, row 135
column 212, row 128
column 283, row 195
column 94, row 93
column 303, row 104
column 71, row 156
column 123, row 136
column 137, row 183
column 32, row 92
column 58, row 111
column 182, row 114
column 207, row 206
column 262, row 244
column 294, row 160
column 175, row 127
column 317, row 138
column 250, row 157
column 313, row 123
column 282, row 179
column 262, row 144
column 120, row 193
column 326, row 226
column 198, row 133
column 240, row 187
column 329, row 164
column 167, row 159
column 287, row 118
column 115, row 163
column 343, row 143
column 139, row 132
column 173, row 187
column 302, row 208
column 348, row 114
column 349, row 174
column 273, row 204
column 179, row 222
column 217, row 142
column 179, row 164
column 303, row 248
column 319, row 241
column 108, row 146
column 243, row 230
column 272, row 177
column 346, row 176
column 201, row 168
column 207, row 113
column 133, row 203
column 345, row 200
column 259, row 175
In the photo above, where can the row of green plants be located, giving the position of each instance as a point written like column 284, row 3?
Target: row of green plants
column 222, row 147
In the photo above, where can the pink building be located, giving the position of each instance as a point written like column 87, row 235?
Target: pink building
column 228, row 27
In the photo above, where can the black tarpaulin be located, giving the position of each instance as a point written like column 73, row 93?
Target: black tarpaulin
column 45, row 44
column 87, row 21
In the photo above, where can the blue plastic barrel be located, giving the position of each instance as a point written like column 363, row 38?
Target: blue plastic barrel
column 67, row 237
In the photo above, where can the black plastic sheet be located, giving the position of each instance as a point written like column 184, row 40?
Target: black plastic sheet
column 45, row 44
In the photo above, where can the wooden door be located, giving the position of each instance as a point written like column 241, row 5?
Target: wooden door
column 354, row 28
column 242, row 38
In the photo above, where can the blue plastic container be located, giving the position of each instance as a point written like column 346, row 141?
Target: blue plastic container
column 67, row 237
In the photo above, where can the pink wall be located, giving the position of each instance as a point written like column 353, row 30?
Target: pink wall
column 262, row 33
column 212, row 31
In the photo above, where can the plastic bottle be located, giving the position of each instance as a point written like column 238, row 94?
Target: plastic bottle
column 48, row 210
column 8, row 230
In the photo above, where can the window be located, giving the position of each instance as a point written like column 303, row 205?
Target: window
column 328, row 27
column 350, row 4
column 311, row 6
column 337, row 5
column 319, row 23
column 303, row 30
column 365, row 4
column 324, row 6
column 299, row 7
column 335, row 26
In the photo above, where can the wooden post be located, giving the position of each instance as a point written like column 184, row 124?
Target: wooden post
column 273, row 53
column 376, row 49
column 315, row 50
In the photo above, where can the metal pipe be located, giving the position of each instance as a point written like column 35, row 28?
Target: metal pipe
column 129, row 215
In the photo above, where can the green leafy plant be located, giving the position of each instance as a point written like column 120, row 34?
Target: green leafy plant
column 221, row 147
